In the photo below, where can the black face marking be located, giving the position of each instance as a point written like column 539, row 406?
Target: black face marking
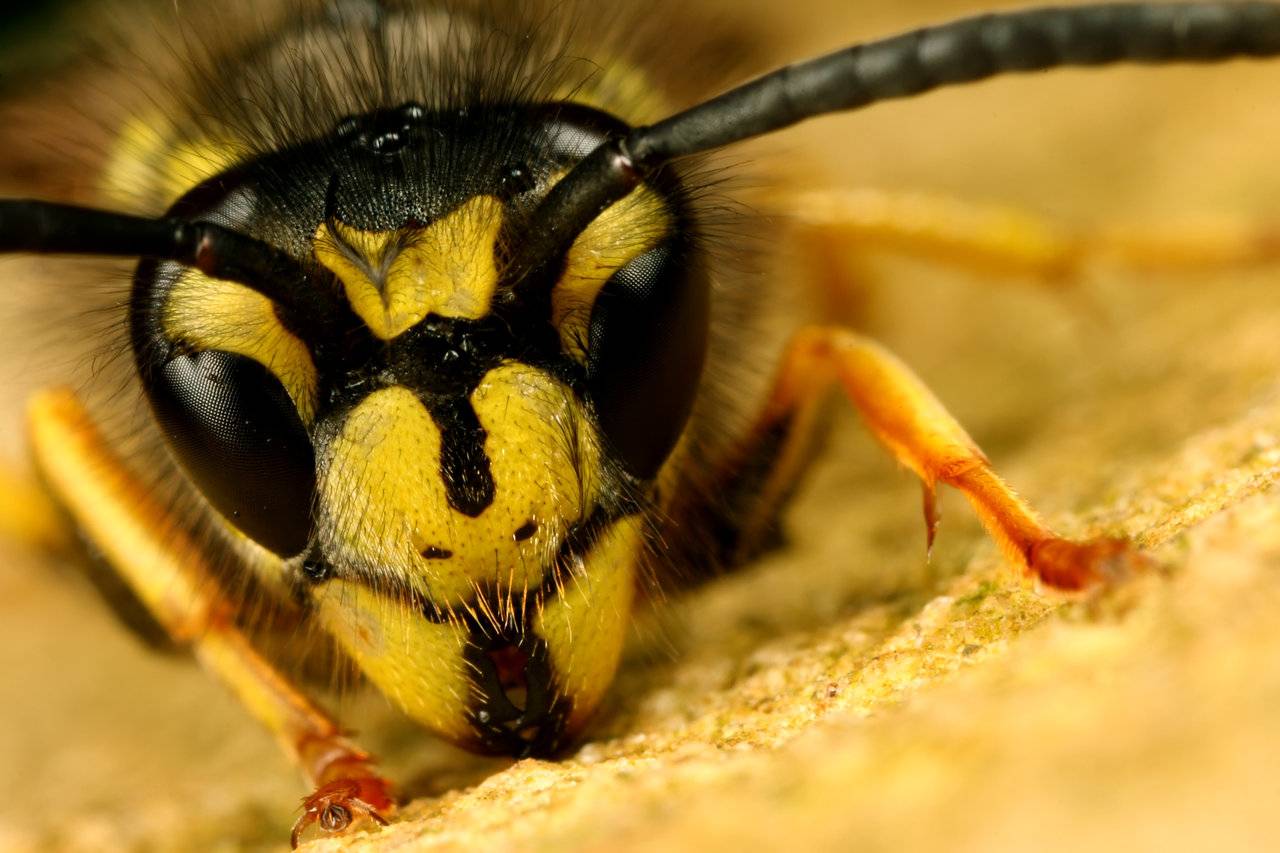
column 464, row 466
column 431, row 552
column 525, row 531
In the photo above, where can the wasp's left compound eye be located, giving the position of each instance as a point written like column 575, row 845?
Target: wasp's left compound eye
column 237, row 434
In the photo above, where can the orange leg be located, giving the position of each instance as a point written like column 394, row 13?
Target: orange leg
column 988, row 239
column 168, row 573
column 1002, row 242
column 920, row 433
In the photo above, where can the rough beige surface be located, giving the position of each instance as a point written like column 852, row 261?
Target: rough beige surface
column 844, row 693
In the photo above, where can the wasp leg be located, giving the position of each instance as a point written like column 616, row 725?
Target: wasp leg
column 920, row 433
column 28, row 517
column 835, row 228
column 31, row 519
column 167, row 572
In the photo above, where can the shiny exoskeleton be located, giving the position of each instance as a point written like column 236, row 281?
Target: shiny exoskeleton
column 425, row 318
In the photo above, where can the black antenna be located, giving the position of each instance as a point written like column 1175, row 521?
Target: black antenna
column 48, row 228
column 918, row 61
column 960, row 52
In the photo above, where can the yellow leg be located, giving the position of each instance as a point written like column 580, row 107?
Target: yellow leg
column 168, row 573
column 1006, row 242
column 27, row 515
column 921, row 434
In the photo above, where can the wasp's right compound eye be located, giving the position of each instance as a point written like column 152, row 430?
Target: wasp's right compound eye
column 648, row 341
column 238, row 436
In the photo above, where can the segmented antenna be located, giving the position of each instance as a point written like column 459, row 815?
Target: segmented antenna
column 28, row 225
column 918, row 61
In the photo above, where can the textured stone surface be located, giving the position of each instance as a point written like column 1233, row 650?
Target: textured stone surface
column 844, row 693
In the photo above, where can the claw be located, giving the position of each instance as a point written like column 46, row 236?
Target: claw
column 931, row 515
column 1074, row 566
column 340, row 803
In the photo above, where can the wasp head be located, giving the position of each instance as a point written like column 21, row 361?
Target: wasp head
column 417, row 418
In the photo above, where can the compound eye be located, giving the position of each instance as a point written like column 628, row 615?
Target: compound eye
column 646, row 346
column 573, row 130
column 238, row 436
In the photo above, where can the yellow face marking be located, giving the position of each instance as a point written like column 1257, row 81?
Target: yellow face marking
column 416, row 663
column 150, row 166
column 395, row 278
column 383, row 504
column 211, row 314
column 622, row 233
column 586, row 624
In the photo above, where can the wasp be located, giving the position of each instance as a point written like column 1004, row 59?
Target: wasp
column 436, row 353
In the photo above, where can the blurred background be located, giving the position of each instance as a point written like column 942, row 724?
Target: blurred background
column 35, row 38
column 844, row 693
